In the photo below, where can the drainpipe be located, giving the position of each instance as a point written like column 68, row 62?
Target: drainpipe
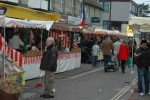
column 48, row 5
column 110, row 15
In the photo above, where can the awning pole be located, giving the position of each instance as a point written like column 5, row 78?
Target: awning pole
column 132, row 72
column 4, row 62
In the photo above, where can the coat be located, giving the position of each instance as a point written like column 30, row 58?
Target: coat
column 107, row 47
column 142, row 60
column 123, row 52
column 49, row 59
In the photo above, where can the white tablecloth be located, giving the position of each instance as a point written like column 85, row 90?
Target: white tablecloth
column 65, row 62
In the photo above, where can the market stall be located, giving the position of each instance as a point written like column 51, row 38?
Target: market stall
column 30, row 61
column 140, row 23
column 92, row 35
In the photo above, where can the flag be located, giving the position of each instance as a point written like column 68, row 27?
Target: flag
column 83, row 16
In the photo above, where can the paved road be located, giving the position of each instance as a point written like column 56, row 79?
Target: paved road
column 92, row 84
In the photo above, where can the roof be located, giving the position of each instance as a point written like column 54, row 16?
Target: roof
column 132, row 1
column 93, row 3
column 118, row 1
column 115, row 0
column 27, row 13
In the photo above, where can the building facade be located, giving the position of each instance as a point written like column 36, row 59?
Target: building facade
column 117, row 12
column 70, row 10
column 94, row 14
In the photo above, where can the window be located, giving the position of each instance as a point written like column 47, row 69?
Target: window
column 105, row 5
column 73, row 7
column 106, row 25
column 51, row 4
column 134, row 10
column 62, row 6
column 87, row 11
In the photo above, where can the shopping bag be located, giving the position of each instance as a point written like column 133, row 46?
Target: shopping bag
column 130, row 62
column 100, row 55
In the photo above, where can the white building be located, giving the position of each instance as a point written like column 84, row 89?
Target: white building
column 117, row 12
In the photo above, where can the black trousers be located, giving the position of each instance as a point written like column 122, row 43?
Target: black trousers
column 123, row 63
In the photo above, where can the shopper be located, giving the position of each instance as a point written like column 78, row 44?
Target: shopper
column 116, row 49
column 142, row 67
column 123, row 54
column 95, row 51
column 49, row 64
column 108, row 51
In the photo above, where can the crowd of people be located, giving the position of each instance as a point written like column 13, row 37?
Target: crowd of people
column 125, row 49
column 122, row 48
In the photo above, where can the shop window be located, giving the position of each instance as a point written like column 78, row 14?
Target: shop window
column 73, row 7
column 62, row 6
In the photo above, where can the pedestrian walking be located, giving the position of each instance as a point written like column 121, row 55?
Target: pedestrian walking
column 95, row 51
column 49, row 65
column 123, row 54
column 108, row 51
column 116, row 49
column 142, row 63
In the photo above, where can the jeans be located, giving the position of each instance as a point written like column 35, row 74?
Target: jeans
column 118, row 61
column 149, row 81
column 107, row 59
column 143, row 73
column 123, row 65
column 94, row 61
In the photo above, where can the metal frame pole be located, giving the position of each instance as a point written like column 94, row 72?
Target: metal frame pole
column 4, row 62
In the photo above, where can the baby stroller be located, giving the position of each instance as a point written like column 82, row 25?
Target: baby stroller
column 113, row 64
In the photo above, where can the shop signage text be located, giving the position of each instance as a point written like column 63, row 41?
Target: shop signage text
column 95, row 19
column 74, row 20
column 3, row 10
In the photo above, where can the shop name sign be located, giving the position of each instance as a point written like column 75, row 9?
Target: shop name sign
column 95, row 19
column 3, row 10
column 74, row 20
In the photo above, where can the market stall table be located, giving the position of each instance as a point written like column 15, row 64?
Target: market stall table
column 65, row 62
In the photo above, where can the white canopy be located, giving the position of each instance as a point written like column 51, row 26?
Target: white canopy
column 140, row 23
column 11, row 22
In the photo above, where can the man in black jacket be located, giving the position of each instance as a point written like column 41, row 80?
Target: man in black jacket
column 142, row 62
column 49, row 64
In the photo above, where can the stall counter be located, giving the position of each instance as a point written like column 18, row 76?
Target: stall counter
column 65, row 62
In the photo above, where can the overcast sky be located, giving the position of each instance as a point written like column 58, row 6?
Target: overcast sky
column 142, row 1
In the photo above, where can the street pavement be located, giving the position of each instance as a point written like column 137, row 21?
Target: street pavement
column 87, row 83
